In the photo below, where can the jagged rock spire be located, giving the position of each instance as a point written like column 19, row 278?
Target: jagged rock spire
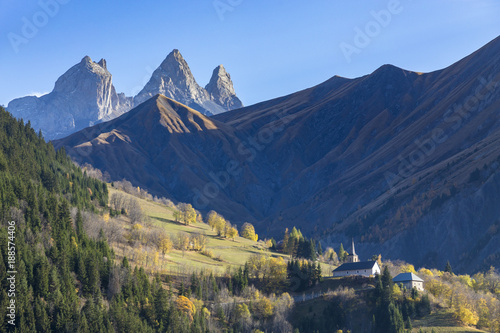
column 174, row 79
column 221, row 89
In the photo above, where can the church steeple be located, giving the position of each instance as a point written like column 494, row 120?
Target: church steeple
column 352, row 257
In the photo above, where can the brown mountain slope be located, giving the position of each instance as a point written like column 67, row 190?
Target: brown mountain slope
column 389, row 158
column 160, row 145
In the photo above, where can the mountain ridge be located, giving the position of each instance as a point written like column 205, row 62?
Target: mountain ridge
column 322, row 159
column 84, row 95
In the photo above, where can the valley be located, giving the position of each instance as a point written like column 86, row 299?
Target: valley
column 344, row 178
column 394, row 152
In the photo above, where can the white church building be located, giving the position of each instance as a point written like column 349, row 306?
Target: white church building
column 354, row 267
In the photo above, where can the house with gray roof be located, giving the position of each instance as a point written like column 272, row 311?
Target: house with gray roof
column 409, row 281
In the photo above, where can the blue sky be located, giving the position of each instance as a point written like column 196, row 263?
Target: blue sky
column 270, row 48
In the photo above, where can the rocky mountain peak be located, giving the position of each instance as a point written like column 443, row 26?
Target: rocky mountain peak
column 220, row 73
column 85, row 95
column 82, row 96
column 221, row 89
column 174, row 57
column 86, row 60
column 82, row 75
column 176, row 68
column 174, row 79
column 175, row 54
column 102, row 63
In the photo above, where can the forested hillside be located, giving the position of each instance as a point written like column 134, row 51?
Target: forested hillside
column 62, row 277
column 56, row 264
column 59, row 278
column 59, row 274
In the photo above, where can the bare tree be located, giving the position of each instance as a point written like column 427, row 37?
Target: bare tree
column 134, row 211
column 92, row 224
column 113, row 231
column 117, row 276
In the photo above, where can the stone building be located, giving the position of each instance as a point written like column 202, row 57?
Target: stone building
column 409, row 281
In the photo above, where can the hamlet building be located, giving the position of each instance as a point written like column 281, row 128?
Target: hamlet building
column 354, row 267
column 409, row 281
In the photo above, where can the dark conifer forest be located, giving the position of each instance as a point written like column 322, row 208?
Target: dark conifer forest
column 63, row 276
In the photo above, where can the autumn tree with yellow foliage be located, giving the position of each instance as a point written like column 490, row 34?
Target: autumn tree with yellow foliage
column 248, row 232
column 165, row 244
column 187, row 214
column 231, row 232
column 211, row 216
column 272, row 272
column 185, row 306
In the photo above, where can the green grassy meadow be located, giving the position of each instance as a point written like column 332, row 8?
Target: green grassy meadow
column 226, row 252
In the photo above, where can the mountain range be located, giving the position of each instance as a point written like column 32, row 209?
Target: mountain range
column 406, row 163
column 85, row 95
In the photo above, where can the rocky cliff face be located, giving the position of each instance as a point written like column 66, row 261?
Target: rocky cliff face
column 82, row 96
column 175, row 80
column 221, row 90
column 85, row 95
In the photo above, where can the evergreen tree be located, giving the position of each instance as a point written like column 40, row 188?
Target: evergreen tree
column 312, row 250
column 387, row 285
column 396, row 324
column 448, row 268
column 42, row 317
column 79, row 224
column 342, row 253
column 41, row 276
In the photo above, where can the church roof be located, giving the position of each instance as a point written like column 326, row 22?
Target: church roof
column 405, row 277
column 352, row 266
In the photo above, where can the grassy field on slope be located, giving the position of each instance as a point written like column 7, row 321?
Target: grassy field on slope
column 226, row 252
column 441, row 321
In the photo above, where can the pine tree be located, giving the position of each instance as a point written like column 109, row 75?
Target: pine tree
column 409, row 326
column 312, row 250
column 125, row 263
column 79, row 224
column 342, row 253
column 42, row 317
column 396, row 324
column 448, row 268
column 387, row 285
column 41, row 276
